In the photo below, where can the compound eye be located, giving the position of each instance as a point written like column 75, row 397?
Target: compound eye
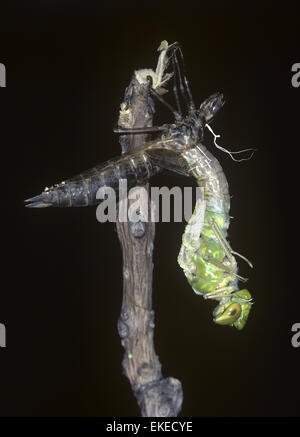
column 230, row 315
column 232, row 312
column 211, row 106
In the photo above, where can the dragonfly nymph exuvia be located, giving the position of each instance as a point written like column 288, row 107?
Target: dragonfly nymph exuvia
column 205, row 256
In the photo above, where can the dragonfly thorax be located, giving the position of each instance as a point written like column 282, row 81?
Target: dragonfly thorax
column 188, row 131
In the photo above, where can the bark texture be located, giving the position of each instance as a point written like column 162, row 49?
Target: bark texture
column 156, row 396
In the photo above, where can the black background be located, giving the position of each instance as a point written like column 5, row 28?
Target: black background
column 61, row 287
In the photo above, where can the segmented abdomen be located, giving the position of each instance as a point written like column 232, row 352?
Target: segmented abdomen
column 200, row 243
column 207, row 171
column 81, row 190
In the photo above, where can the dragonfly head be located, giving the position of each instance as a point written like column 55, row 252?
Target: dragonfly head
column 235, row 310
column 209, row 108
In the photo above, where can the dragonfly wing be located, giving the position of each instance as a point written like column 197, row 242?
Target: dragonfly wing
column 169, row 160
column 164, row 155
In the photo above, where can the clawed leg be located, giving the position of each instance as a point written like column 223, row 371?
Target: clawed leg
column 185, row 91
column 175, row 90
column 181, row 77
column 187, row 85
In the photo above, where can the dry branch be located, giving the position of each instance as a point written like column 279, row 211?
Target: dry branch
column 156, row 396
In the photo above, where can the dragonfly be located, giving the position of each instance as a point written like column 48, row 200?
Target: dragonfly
column 206, row 257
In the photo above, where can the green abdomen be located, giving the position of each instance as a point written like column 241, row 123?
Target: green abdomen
column 199, row 263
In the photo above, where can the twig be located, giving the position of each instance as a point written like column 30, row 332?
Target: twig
column 156, row 396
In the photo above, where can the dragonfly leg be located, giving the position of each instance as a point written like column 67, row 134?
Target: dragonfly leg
column 187, row 84
column 229, row 269
column 176, row 114
column 175, row 90
column 222, row 292
column 139, row 130
column 225, row 245
column 186, row 93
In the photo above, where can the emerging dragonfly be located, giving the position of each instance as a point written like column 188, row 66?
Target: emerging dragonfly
column 205, row 255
